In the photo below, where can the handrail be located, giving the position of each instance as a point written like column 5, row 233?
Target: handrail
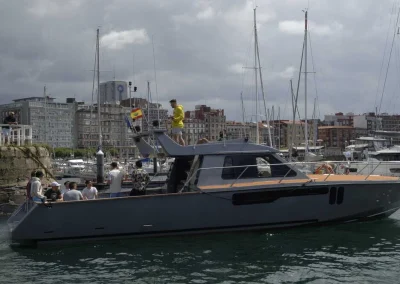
column 239, row 176
column 293, row 164
column 373, row 170
column 19, row 134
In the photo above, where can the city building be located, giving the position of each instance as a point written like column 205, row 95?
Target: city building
column 215, row 121
column 151, row 112
column 52, row 122
column 368, row 121
column 236, row 130
column 339, row 119
column 293, row 133
column 114, row 130
column 113, row 92
column 336, row 136
column 194, row 129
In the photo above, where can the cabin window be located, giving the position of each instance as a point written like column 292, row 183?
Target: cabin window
column 254, row 166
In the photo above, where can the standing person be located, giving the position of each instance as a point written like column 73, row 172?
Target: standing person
column 54, row 192
column 10, row 119
column 115, row 180
column 140, row 178
column 36, row 187
column 29, row 184
column 177, row 122
column 89, row 192
column 73, row 194
column 66, row 187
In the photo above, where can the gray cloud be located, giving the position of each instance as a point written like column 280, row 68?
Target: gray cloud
column 200, row 49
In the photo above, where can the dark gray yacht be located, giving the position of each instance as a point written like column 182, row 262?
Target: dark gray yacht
column 212, row 187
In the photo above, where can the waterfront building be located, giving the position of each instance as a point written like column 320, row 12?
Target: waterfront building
column 52, row 122
column 336, row 136
column 151, row 112
column 339, row 119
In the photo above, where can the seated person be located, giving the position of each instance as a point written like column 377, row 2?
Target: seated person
column 89, row 192
column 54, row 192
column 140, row 179
column 73, row 194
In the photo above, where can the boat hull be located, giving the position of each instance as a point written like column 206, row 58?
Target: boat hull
column 207, row 211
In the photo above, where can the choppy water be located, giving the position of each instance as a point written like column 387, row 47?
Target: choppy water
column 352, row 253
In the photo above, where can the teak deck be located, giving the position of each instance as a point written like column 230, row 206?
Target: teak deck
column 313, row 177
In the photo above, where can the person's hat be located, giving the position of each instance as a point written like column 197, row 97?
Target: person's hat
column 12, row 112
column 54, row 183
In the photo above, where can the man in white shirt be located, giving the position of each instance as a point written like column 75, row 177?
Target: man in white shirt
column 115, row 180
column 36, row 187
column 89, row 192
column 66, row 188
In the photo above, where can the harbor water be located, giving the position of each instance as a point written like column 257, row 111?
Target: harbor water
column 366, row 252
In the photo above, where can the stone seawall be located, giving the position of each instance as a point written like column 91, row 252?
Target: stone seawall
column 16, row 165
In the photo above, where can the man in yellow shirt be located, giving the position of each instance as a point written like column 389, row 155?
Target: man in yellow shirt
column 177, row 122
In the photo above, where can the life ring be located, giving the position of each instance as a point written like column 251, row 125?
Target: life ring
column 324, row 169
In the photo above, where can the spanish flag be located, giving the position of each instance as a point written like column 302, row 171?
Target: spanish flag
column 136, row 113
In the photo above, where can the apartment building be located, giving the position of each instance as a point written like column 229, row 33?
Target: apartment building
column 336, row 136
column 339, row 119
column 114, row 130
column 52, row 122
column 294, row 133
column 151, row 112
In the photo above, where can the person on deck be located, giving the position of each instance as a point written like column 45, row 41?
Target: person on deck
column 54, row 192
column 66, row 187
column 10, row 119
column 115, row 180
column 89, row 192
column 177, row 122
column 140, row 179
column 36, row 187
column 73, row 194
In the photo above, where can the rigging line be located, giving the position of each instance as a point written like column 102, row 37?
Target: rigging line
column 94, row 78
column 315, row 80
column 384, row 53
column 394, row 98
column 390, row 56
column 297, row 96
column 247, row 61
column 263, row 93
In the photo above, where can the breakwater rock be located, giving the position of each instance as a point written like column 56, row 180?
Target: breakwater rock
column 17, row 163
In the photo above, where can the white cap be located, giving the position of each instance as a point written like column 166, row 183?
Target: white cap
column 54, row 183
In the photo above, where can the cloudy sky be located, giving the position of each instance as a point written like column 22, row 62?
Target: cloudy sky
column 201, row 48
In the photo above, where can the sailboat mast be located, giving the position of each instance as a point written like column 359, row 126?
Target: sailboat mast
column 98, row 85
column 45, row 114
column 305, row 85
column 255, row 77
column 243, row 115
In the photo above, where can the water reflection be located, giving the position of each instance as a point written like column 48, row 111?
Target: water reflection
column 358, row 253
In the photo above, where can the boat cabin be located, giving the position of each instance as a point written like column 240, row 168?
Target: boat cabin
column 218, row 164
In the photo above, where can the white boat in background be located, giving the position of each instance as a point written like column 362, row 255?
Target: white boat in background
column 373, row 154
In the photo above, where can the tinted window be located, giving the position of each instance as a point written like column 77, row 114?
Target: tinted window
column 254, row 166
